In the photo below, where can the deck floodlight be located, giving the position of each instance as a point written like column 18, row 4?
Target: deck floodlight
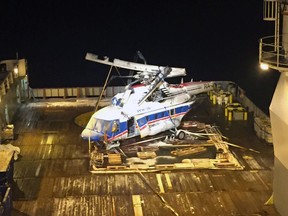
column 16, row 71
column 264, row 66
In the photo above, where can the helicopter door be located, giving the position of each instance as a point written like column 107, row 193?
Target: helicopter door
column 143, row 126
column 131, row 126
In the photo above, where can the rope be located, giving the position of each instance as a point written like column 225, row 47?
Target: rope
column 160, row 197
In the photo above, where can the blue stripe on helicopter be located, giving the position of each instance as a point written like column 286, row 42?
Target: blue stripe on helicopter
column 150, row 119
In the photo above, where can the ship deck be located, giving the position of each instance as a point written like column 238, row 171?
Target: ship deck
column 52, row 176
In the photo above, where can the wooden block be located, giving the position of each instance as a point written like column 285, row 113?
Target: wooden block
column 114, row 159
column 146, row 155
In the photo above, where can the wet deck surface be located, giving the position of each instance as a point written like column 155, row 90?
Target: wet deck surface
column 52, row 178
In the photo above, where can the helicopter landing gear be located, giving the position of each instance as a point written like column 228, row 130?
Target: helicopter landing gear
column 112, row 145
column 180, row 134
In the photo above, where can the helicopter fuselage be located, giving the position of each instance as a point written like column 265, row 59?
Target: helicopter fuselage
column 126, row 118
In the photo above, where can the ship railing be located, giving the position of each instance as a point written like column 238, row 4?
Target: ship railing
column 273, row 51
column 74, row 92
column 84, row 92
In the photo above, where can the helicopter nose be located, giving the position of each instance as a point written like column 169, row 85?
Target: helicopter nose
column 89, row 134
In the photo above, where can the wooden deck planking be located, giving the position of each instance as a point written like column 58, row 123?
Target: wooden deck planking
column 63, row 185
column 123, row 205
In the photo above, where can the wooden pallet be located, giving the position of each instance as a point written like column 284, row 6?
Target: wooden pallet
column 114, row 159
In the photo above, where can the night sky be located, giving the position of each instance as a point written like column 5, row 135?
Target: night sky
column 212, row 39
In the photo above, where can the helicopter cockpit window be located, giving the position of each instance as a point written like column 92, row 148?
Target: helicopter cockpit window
column 95, row 124
column 106, row 126
column 115, row 126
column 98, row 125
column 103, row 126
column 91, row 124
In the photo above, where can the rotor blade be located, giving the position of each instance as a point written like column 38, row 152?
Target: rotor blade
column 154, row 69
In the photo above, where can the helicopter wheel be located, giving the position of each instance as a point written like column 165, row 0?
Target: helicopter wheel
column 180, row 135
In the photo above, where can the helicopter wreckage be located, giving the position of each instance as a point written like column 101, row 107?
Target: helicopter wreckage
column 148, row 108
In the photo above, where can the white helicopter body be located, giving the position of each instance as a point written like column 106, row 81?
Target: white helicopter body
column 145, row 109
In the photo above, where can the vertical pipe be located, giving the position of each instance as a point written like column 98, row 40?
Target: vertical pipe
column 214, row 99
column 245, row 115
column 230, row 115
